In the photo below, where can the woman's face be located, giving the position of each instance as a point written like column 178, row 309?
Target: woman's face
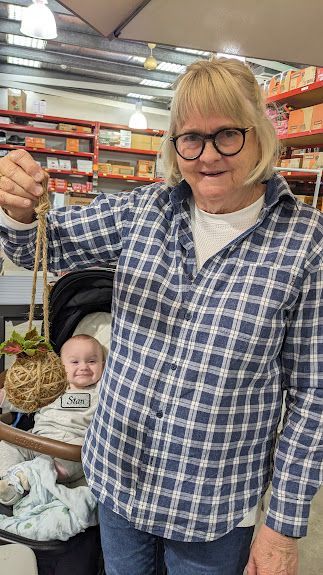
column 217, row 181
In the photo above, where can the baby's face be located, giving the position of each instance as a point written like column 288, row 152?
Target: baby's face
column 83, row 362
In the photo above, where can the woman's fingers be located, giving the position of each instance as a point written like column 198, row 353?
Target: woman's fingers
column 21, row 175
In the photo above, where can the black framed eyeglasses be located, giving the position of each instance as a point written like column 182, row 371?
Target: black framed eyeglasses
column 227, row 141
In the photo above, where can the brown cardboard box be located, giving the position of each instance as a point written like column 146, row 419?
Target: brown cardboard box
column 78, row 200
column 35, row 142
column 313, row 160
column 319, row 75
column 274, row 86
column 145, row 168
column 295, row 79
column 140, row 141
column 156, row 142
column 300, row 120
column 74, row 128
column 291, row 163
column 308, row 75
column 123, row 169
column 285, row 81
column 317, row 117
column 72, row 145
column 17, row 100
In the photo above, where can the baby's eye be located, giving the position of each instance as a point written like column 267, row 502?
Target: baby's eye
column 74, row 362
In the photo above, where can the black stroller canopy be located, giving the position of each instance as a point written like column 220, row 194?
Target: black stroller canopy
column 74, row 296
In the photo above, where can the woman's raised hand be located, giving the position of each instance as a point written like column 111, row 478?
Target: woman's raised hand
column 20, row 185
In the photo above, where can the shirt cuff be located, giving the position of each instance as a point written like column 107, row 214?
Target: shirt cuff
column 12, row 224
column 287, row 516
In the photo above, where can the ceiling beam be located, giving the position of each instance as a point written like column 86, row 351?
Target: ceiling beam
column 69, row 36
column 77, row 61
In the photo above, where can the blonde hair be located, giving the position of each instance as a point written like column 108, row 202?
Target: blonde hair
column 223, row 87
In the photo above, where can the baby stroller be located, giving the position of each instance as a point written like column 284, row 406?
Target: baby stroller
column 73, row 297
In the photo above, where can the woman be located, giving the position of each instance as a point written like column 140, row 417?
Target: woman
column 217, row 308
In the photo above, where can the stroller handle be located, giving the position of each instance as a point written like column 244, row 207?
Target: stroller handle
column 38, row 443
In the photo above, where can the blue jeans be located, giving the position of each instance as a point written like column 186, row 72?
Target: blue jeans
column 128, row 551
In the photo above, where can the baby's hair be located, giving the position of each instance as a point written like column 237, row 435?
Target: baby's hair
column 84, row 337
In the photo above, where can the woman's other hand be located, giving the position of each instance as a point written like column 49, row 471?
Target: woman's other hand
column 272, row 554
column 20, row 185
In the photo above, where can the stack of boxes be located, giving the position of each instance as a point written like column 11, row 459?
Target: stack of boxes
column 133, row 140
column 291, row 80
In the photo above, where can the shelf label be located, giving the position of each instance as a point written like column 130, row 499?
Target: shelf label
column 304, row 88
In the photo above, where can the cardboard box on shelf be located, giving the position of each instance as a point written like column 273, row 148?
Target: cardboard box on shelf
column 105, row 168
column 156, row 142
column 140, row 141
column 17, row 100
column 73, row 128
column 317, row 117
column 295, row 79
column 109, row 137
column 285, row 81
column 35, row 142
column 313, row 160
column 77, row 200
column 145, row 168
column 319, row 75
column 52, row 163
column 72, row 145
column 300, row 120
column 274, row 85
column 84, row 165
column 125, row 138
column 308, row 75
column 123, row 169
column 291, row 163
column 65, row 164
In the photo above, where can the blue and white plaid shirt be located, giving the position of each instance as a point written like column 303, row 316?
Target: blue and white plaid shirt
column 183, row 441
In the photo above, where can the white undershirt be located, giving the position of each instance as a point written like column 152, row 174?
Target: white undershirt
column 211, row 232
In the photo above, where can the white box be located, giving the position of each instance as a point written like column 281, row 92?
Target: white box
column 65, row 164
column 84, row 165
column 52, row 163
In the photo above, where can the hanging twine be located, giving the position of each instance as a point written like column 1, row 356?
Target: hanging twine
column 33, row 382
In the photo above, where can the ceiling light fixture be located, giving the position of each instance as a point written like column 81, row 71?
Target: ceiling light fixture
column 138, row 119
column 26, row 41
column 38, row 21
column 151, row 63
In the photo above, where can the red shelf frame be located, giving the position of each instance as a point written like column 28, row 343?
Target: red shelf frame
column 313, row 138
column 48, row 151
column 128, row 150
column 59, row 119
column 32, row 129
column 128, row 178
column 67, row 172
column 115, row 127
column 291, row 175
column 301, row 97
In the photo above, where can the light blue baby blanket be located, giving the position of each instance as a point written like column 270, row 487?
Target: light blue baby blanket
column 50, row 510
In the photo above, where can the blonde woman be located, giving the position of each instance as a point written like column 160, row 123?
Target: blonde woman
column 217, row 309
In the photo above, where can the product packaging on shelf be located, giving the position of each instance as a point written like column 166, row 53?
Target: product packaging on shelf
column 84, row 165
column 16, row 100
column 145, row 168
column 52, row 163
column 317, row 117
column 64, row 164
column 72, row 145
column 35, row 142
column 140, row 141
column 313, row 160
column 300, row 120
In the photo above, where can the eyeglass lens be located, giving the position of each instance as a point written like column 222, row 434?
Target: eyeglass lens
column 228, row 141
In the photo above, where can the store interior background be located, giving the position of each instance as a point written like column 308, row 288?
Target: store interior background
column 87, row 73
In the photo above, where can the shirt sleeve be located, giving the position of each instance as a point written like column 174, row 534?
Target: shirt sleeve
column 78, row 237
column 298, row 467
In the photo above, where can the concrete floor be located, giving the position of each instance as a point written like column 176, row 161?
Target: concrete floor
column 311, row 546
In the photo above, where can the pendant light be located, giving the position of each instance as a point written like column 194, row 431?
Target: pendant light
column 38, row 21
column 151, row 63
column 138, row 119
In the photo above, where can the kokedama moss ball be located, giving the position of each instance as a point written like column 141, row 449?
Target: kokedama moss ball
column 33, row 382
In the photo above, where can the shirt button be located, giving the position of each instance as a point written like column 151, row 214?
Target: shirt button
column 188, row 315
column 173, row 366
column 159, row 414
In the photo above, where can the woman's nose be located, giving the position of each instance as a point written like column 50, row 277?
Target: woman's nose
column 210, row 153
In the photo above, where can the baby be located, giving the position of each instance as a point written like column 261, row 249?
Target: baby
column 66, row 419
